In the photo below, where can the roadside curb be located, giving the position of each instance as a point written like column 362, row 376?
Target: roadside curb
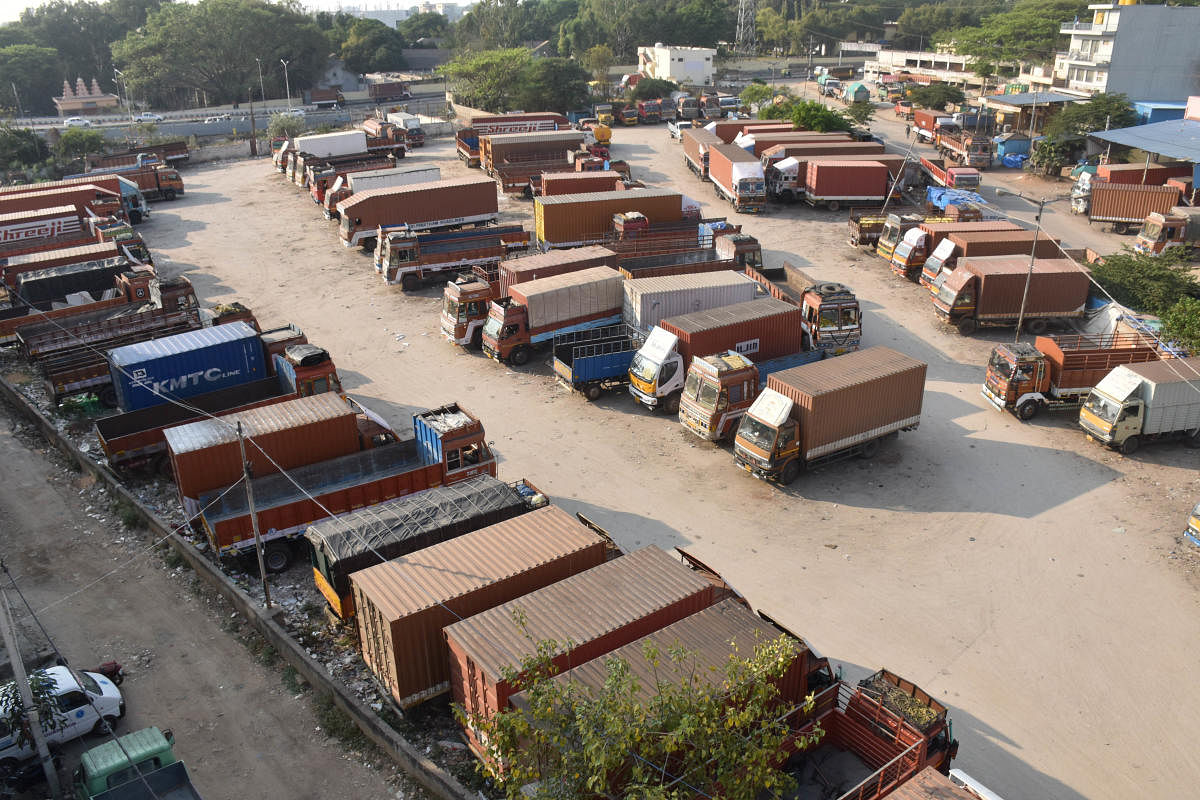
column 433, row 778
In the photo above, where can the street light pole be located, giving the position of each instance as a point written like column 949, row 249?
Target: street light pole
column 128, row 99
column 262, row 93
column 286, row 82
column 1037, row 235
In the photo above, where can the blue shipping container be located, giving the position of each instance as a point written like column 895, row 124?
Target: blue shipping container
column 186, row 365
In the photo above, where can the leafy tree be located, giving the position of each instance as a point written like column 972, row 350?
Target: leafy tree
column 41, row 687
column 719, row 732
column 1084, row 118
column 37, row 74
column 1181, row 324
column 1051, row 154
column 772, row 28
column 1153, row 284
column 211, row 47
column 488, row 80
column 21, row 147
column 373, row 47
column 552, row 84
column 78, row 142
column 1027, row 32
column 756, row 94
column 653, row 89
column 494, row 23
column 861, row 112
column 937, row 96
column 807, row 115
column 598, row 60
column 335, row 26
column 285, row 126
column 426, row 25
column 14, row 33
column 80, row 32
column 919, row 24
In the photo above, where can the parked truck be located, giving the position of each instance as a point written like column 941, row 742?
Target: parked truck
column 325, row 98
column 167, row 152
column 496, row 150
column 834, row 184
column 697, row 144
column 388, row 91
column 437, row 205
column 649, row 112
column 346, row 185
column 968, row 149
column 538, row 310
column 138, row 766
column 321, row 177
column 550, row 184
column 896, row 225
column 910, row 254
column 111, row 254
column 155, row 181
column 412, row 259
column 738, row 178
column 734, row 251
column 87, row 198
column 467, row 140
column 1178, row 228
column 925, row 123
column 324, row 146
column 992, row 290
column 1058, row 372
column 972, row 244
column 831, row 318
column 571, row 220
column 448, row 445
column 42, row 229
column 1137, row 403
column 130, row 288
column 593, row 361
column 400, row 126
column 1124, row 205
column 135, row 439
column 938, row 172
column 828, row 410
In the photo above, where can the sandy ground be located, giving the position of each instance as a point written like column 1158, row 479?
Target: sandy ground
column 102, row 595
column 1014, row 570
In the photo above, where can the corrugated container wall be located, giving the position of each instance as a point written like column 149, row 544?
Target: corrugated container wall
column 839, row 399
column 1057, row 285
column 587, row 218
column 727, row 129
column 558, row 183
column 765, row 141
column 1117, row 202
column 650, row 300
column 495, row 149
column 554, row 262
column 404, row 604
column 762, row 329
column 185, row 365
column 325, row 145
column 596, row 611
column 849, row 179
column 1004, row 243
column 573, row 295
column 422, row 202
column 1172, row 394
column 205, row 455
column 696, row 144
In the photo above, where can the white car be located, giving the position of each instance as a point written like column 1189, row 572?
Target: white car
column 293, row 112
column 217, row 118
column 146, row 116
column 76, row 716
column 78, row 122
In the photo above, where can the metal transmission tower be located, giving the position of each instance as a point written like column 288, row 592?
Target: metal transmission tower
column 747, row 38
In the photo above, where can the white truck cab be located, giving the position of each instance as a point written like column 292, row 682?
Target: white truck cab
column 657, row 372
column 76, row 715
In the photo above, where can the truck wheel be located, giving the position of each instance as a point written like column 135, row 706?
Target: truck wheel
column 1036, row 326
column 789, row 473
column 369, row 243
column 1028, row 410
column 410, row 282
column 671, row 404
column 277, row 556
column 169, row 194
column 833, row 205
column 107, row 397
column 869, row 449
column 104, row 725
column 161, row 466
column 1130, row 445
column 787, row 196
column 1193, row 439
column 476, row 342
column 592, row 392
column 519, row 357
column 967, row 325
column 135, row 217
column 1121, row 228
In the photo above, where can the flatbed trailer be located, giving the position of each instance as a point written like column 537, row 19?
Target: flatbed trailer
column 596, row 360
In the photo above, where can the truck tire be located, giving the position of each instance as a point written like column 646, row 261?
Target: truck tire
column 671, row 403
column 1120, row 228
column 135, row 217
column 834, row 205
column 277, row 556
column 105, row 725
column 1036, row 326
column 160, row 465
column 787, row 196
column 1028, row 410
column 967, row 325
column 107, row 397
column 592, row 392
column 168, row 194
column 869, row 450
column 476, row 342
column 789, row 473
column 369, row 243
column 1193, row 439
column 1130, row 445
column 519, row 357
column 409, row 282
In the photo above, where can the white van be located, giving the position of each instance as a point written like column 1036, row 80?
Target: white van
column 75, row 715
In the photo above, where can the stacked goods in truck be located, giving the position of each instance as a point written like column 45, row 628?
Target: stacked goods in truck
column 404, row 604
column 483, row 647
column 42, row 286
column 207, row 454
column 1144, row 402
column 419, row 206
column 556, row 183
column 500, row 148
column 554, row 262
column 910, row 253
column 1001, row 289
column 45, row 223
column 352, row 182
column 128, row 286
column 1124, row 205
column 834, row 183
column 738, row 177
column 341, row 547
column 697, row 142
column 957, row 244
column 734, row 251
column 647, row 301
column 100, row 253
column 410, row 259
column 829, row 409
column 87, row 198
column 571, row 220
column 148, row 373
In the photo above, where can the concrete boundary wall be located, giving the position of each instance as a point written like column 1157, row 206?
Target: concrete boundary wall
column 433, row 778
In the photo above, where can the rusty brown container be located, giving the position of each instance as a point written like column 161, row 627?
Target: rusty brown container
column 471, row 199
column 404, row 604
column 1143, row 174
column 31, row 262
column 761, row 329
column 860, row 180
column 84, row 196
column 554, row 262
column 696, row 144
column 1057, row 288
column 728, row 129
column 1116, row 202
column 929, row 784
column 556, row 183
column 844, row 401
column 1002, row 243
column 805, row 150
column 721, row 159
column 711, row 636
column 596, row 611
column 205, row 455
column 497, row 148
column 569, row 220
column 765, row 141
column 937, row 231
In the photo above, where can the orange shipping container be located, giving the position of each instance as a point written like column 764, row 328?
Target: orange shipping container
column 85, row 197
column 554, row 262
column 404, row 604
column 556, row 183
column 570, row 220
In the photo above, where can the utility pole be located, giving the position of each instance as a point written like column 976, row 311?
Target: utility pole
column 35, row 722
column 258, row 546
column 253, row 131
column 17, row 95
column 262, row 93
column 286, row 82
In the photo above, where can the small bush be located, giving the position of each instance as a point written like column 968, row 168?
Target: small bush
column 337, row 724
column 129, row 514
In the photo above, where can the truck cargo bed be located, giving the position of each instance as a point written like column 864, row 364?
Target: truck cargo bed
column 601, row 355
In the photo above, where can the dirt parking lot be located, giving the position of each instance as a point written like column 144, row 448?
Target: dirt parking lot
column 1014, row 570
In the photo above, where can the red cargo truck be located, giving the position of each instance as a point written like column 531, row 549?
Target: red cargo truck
column 946, row 253
column 738, row 178
column 910, row 253
column 925, row 123
column 411, row 259
column 992, row 290
column 437, row 205
column 697, row 142
column 555, row 183
column 130, row 288
column 386, row 91
column 44, row 229
column 1125, row 206
column 833, row 184
column 571, row 220
column 322, row 178
column 385, row 138
column 762, row 142
column 88, row 200
column 99, row 253
column 467, row 139
column 496, row 150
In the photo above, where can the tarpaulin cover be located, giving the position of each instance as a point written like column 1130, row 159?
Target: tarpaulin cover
column 942, row 197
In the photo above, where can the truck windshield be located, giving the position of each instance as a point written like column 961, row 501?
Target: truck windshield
column 947, row 295
column 643, row 368
column 1000, row 365
column 890, row 234
column 1102, row 407
column 1151, row 230
column 691, row 385
column 453, row 309
column 491, row 328
column 756, row 433
column 846, row 317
